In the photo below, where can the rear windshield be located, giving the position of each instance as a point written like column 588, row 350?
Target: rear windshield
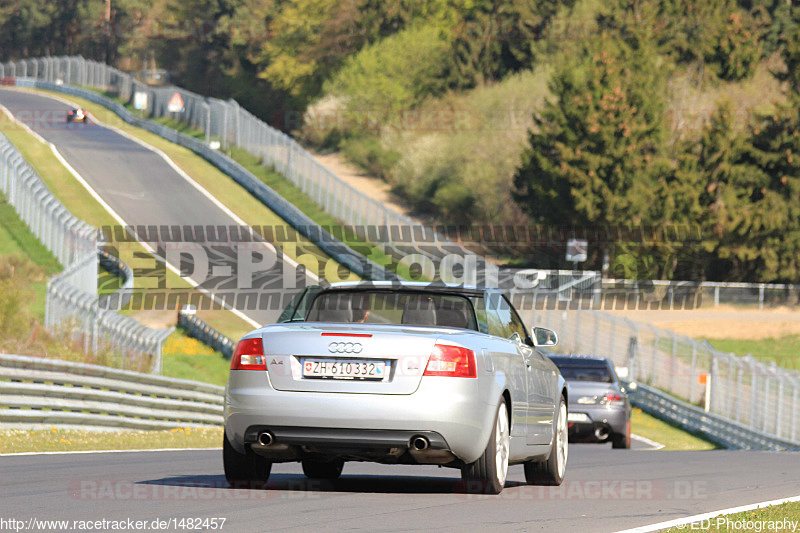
column 586, row 373
column 393, row 307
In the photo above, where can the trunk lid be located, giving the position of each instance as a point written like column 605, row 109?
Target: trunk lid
column 297, row 356
column 580, row 392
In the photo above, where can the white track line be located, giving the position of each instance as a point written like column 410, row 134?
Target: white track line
column 655, row 445
column 178, row 170
column 85, row 452
column 707, row 516
column 122, row 222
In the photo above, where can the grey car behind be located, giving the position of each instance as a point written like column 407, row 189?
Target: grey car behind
column 599, row 408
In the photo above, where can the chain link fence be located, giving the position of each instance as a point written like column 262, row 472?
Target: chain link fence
column 709, row 293
column 759, row 395
column 72, row 304
column 232, row 126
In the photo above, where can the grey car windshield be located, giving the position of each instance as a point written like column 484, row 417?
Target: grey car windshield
column 393, row 307
column 586, row 373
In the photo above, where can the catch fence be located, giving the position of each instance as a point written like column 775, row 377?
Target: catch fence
column 72, row 306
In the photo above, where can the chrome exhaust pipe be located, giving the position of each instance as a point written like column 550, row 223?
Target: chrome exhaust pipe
column 601, row 434
column 420, row 443
column 265, row 438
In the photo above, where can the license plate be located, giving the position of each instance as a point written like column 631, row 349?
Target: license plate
column 355, row 369
column 577, row 417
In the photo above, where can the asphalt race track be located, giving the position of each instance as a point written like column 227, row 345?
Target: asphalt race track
column 605, row 490
column 135, row 182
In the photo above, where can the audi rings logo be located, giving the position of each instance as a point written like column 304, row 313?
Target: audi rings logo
column 345, row 347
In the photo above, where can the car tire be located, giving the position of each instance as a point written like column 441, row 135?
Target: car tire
column 552, row 470
column 622, row 441
column 244, row 471
column 330, row 470
column 488, row 474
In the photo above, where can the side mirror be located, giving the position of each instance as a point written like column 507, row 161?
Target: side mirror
column 544, row 337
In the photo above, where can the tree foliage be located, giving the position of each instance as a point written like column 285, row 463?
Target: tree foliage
column 716, row 33
column 594, row 147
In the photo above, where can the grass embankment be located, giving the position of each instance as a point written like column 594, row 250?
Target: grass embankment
column 236, row 198
column 76, row 199
column 22, row 251
column 755, row 520
column 672, row 437
column 71, row 440
column 12, row 441
column 268, row 176
column 35, row 264
column 188, row 358
column 783, row 351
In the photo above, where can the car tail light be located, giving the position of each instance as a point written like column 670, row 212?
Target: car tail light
column 611, row 399
column 249, row 355
column 451, row 361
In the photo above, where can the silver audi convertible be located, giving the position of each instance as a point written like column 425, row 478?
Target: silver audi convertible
column 392, row 373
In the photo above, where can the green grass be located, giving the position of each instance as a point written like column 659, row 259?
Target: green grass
column 672, row 437
column 784, row 351
column 289, row 192
column 15, row 237
column 66, row 440
column 225, row 189
column 187, row 358
column 275, row 181
column 758, row 518
column 21, row 247
column 76, row 199
column 16, row 441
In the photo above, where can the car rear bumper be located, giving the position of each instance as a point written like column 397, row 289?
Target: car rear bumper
column 599, row 418
column 445, row 410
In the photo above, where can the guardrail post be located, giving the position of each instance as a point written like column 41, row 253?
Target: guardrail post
column 765, row 417
column 611, row 337
column 779, row 413
column 693, row 372
column 654, row 355
column 739, row 379
column 761, row 296
column 753, row 392
column 795, row 412
column 673, row 362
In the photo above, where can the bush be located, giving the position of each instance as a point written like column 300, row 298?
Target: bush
column 394, row 74
column 369, row 153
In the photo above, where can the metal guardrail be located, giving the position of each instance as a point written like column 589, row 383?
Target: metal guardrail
column 120, row 269
column 713, row 427
column 343, row 254
column 235, row 126
column 72, row 305
column 195, row 327
column 757, row 396
column 38, row 392
column 763, row 397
